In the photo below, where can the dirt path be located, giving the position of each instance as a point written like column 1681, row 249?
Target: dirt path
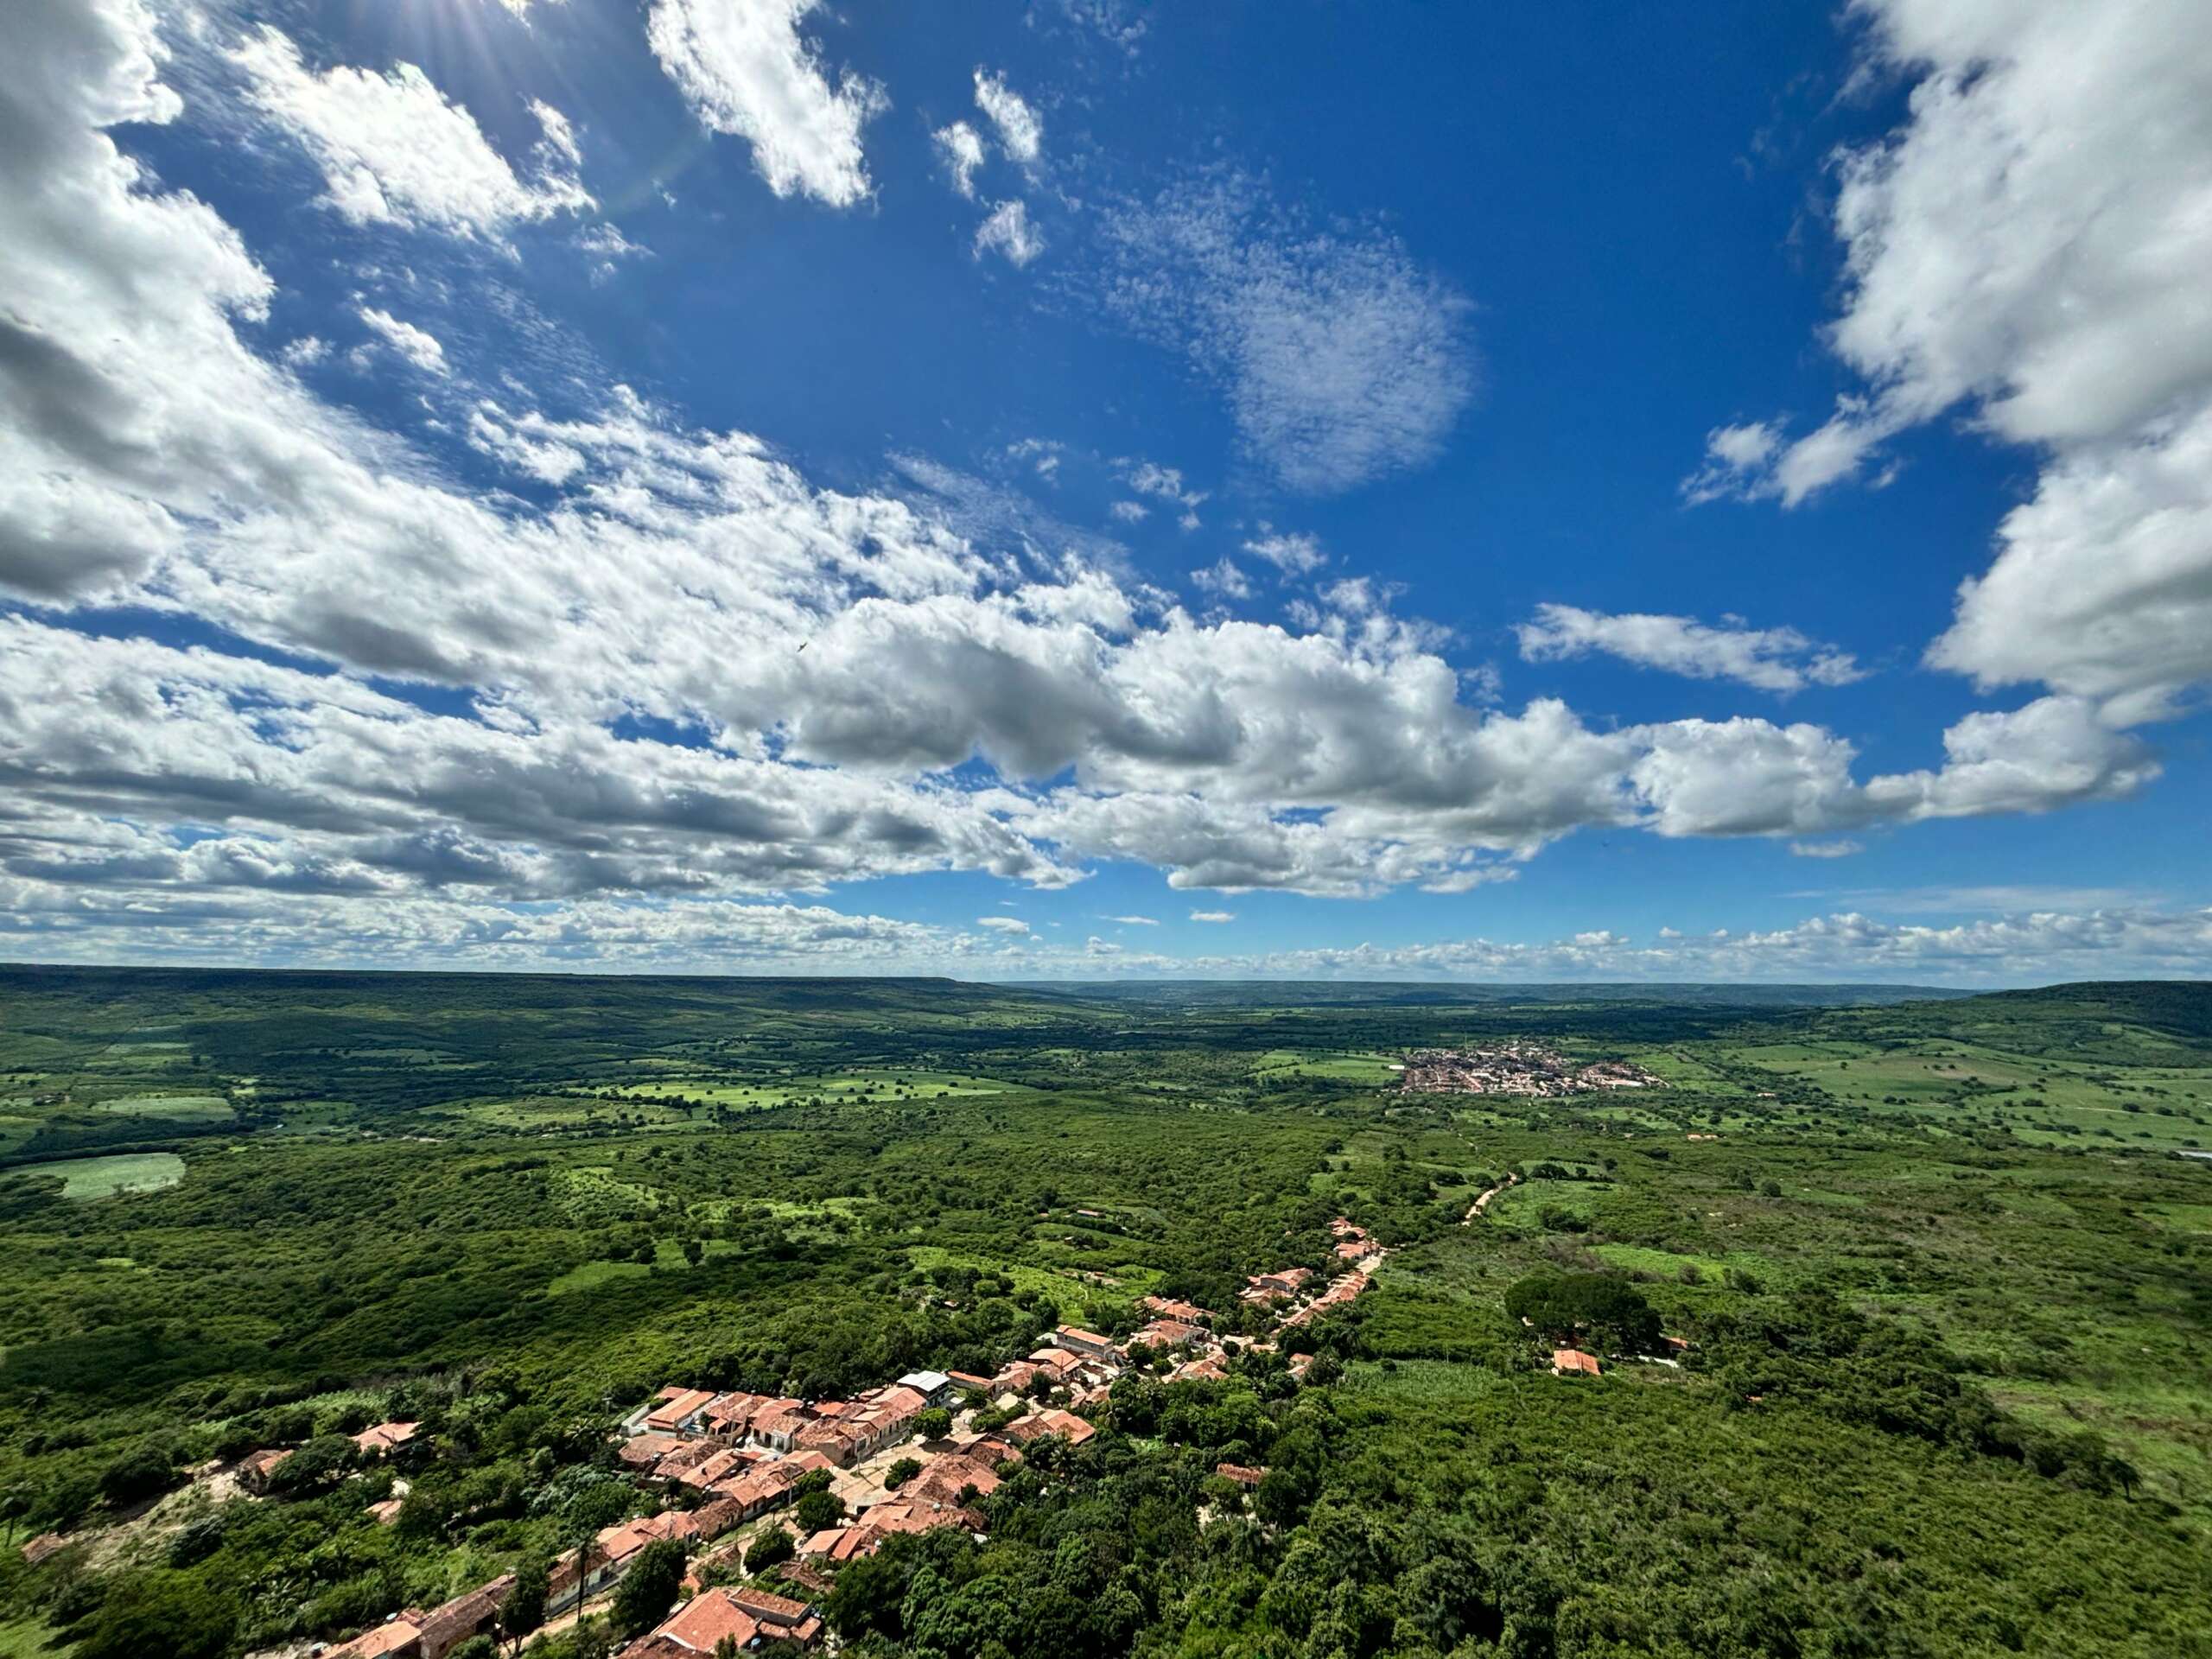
column 1482, row 1198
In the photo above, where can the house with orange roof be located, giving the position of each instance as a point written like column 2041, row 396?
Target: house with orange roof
column 384, row 1439
column 699, row 1626
column 780, row 1616
column 1037, row 1425
column 642, row 1451
column 1572, row 1362
column 1089, row 1344
column 254, row 1471
column 1170, row 1333
column 679, row 1411
column 413, row 1635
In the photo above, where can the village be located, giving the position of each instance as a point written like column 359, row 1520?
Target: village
column 726, row 1469
column 1526, row 1069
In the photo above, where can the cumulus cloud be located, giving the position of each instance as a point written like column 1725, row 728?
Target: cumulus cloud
column 676, row 679
column 395, row 150
column 2029, row 246
column 747, row 72
column 1213, row 916
column 1769, row 659
column 1008, row 925
column 960, row 147
column 1293, row 555
column 1008, row 232
column 1165, row 483
column 1021, row 128
column 1342, row 360
column 417, row 346
column 1223, row 579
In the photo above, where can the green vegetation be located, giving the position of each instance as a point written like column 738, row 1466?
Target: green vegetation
column 1943, row 1268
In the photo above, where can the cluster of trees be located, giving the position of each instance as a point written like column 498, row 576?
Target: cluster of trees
column 1604, row 1310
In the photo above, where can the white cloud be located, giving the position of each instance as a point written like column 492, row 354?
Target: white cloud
column 1843, row 849
column 305, row 351
column 2030, row 245
column 680, row 678
column 1222, row 578
column 419, row 347
column 1165, row 483
column 1008, row 232
column 1767, row 659
column 1342, row 361
column 1009, row 924
column 1132, row 921
column 1295, row 555
column 747, row 72
column 1021, row 129
column 1213, row 916
column 1130, row 512
column 395, row 150
column 961, row 148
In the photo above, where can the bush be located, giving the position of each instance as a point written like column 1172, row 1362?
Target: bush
column 901, row 1473
column 772, row 1548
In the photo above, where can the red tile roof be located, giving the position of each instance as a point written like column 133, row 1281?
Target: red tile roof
column 706, row 1619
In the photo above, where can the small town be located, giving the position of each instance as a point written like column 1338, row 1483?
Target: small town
column 1526, row 1069
column 736, row 1476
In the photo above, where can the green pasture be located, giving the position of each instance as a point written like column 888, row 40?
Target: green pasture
column 104, row 1177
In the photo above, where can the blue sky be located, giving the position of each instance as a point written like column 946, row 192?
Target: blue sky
column 1083, row 489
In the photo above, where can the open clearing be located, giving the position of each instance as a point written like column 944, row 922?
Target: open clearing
column 100, row 1178
column 182, row 1109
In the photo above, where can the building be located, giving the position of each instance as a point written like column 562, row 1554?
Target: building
column 934, row 1386
column 1060, row 1362
column 1089, row 1344
column 780, row 1616
column 384, row 1439
column 678, row 1410
column 1165, row 1333
column 643, row 1452
column 254, row 1471
column 413, row 1635
column 699, row 1626
column 1572, row 1362
column 1188, row 1313
column 611, row 1555
column 1243, row 1475
column 1037, row 1425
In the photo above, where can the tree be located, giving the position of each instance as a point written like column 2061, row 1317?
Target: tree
column 524, row 1610
column 169, row 1613
column 817, row 1510
column 934, row 1424
column 321, row 1460
column 772, row 1548
column 143, row 1472
column 901, row 1473
column 642, row 1599
column 1564, row 1306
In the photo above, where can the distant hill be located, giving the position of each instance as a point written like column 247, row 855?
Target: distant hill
column 1367, row 994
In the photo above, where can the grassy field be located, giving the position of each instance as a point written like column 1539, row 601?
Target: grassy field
column 103, row 1178
column 183, row 1109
